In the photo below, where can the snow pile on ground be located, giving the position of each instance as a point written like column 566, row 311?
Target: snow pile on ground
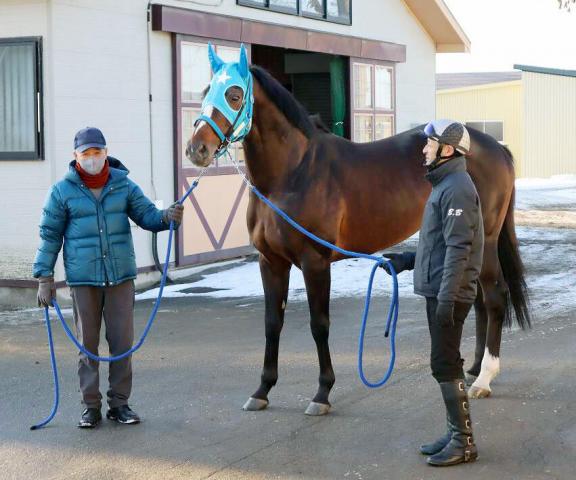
column 549, row 255
column 349, row 279
column 554, row 193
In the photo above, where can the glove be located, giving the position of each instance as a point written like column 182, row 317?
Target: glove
column 174, row 212
column 399, row 261
column 445, row 314
column 46, row 291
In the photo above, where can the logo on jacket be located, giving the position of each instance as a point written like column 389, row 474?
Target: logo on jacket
column 455, row 212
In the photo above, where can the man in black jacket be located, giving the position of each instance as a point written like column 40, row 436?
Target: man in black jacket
column 446, row 267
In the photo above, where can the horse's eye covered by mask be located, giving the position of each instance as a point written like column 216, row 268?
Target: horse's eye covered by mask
column 234, row 96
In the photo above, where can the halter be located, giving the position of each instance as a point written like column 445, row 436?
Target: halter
column 226, row 75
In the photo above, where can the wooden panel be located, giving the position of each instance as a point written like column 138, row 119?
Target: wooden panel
column 334, row 44
column 180, row 20
column 188, row 22
column 273, row 35
column 391, row 52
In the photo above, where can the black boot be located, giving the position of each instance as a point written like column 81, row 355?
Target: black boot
column 435, row 447
column 461, row 447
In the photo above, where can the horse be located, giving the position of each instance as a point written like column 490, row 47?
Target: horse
column 363, row 197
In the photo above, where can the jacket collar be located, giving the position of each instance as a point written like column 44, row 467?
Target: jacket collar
column 117, row 171
column 438, row 174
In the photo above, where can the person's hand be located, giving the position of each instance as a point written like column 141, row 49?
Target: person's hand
column 46, row 291
column 445, row 314
column 174, row 213
column 399, row 261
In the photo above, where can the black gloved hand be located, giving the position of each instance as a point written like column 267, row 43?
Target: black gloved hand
column 174, row 212
column 46, row 291
column 445, row 314
column 399, row 261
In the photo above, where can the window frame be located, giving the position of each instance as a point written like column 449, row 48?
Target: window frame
column 484, row 122
column 374, row 111
column 38, row 152
column 299, row 10
column 180, row 105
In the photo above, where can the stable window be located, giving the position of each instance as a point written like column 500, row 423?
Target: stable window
column 337, row 11
column 493, row 128
column 195, row 75
column 373, row 105
column 20, row 99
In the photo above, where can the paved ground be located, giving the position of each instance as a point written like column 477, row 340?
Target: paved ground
column 203, row 360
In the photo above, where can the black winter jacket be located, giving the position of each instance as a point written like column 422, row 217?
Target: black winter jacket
column 448, row 259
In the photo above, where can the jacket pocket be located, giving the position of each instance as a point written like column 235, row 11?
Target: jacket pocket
column 81, row 265
column 124, row 259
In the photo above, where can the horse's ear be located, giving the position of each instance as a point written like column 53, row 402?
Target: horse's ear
column 215, row 61
column 243, row 63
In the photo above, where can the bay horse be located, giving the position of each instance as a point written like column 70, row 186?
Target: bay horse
column 363, row 197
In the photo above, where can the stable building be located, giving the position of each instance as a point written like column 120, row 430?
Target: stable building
column 136, row 70
column 531, row 110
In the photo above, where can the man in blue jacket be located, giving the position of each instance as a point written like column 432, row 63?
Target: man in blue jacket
column 446, row 268
column 88, row 211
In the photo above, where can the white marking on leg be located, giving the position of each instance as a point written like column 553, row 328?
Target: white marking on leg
column 488, row 371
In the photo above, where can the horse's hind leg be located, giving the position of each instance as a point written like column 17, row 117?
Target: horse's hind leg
column 317, row 279
column 495, row 292
column 275, row 278
column 481, row 328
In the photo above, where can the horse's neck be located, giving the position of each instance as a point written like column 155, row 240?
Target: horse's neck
column 274, row 148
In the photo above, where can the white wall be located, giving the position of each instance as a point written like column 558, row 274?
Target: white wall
column 96, row 73
column 24, row 183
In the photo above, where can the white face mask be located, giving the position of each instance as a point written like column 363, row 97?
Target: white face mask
column 92, row 165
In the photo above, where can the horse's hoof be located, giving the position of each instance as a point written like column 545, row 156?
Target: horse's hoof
column 317, row 409
column 255, row 404
column 479, row 392
column 470, row 379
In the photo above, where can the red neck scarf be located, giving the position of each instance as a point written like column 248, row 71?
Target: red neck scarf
column 94, row 181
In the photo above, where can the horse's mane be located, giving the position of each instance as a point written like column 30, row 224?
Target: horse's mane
column 317, row 121
column 293, row 110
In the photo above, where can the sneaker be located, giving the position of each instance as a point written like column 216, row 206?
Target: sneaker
column 123, row 414
column 90, row 418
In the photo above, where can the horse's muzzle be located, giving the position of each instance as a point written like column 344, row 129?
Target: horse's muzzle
column 198, row 154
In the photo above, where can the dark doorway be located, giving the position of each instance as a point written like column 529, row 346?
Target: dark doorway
column 319, row 81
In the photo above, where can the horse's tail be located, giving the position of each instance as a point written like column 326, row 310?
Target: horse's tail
column 513, row 270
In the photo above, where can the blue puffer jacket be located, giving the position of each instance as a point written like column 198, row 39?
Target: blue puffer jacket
column 98, row 247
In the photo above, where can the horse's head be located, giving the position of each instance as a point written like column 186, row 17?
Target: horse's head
column 226, row 115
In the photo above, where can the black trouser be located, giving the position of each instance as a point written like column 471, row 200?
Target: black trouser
column 445, row 360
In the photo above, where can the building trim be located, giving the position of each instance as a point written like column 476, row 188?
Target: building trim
column 33, row 283
column 546, row 71
column 484, row 86
column 201, row 24
column 439, row 22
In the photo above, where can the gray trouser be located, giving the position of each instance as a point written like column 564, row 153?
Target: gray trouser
column 116, row 305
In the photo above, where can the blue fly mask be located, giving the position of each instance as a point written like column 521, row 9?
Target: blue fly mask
column 226, row 75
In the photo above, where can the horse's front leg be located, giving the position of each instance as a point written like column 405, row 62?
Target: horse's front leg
column 275, row 274
column 317, row 278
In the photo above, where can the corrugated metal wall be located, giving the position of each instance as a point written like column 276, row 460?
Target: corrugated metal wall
column 493, row 102
column 550, row 124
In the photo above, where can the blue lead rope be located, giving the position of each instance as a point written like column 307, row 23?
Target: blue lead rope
column 394, row 303
column 81, row 347
column 379, row 261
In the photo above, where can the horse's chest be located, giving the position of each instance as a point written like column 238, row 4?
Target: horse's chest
column 272, row 235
